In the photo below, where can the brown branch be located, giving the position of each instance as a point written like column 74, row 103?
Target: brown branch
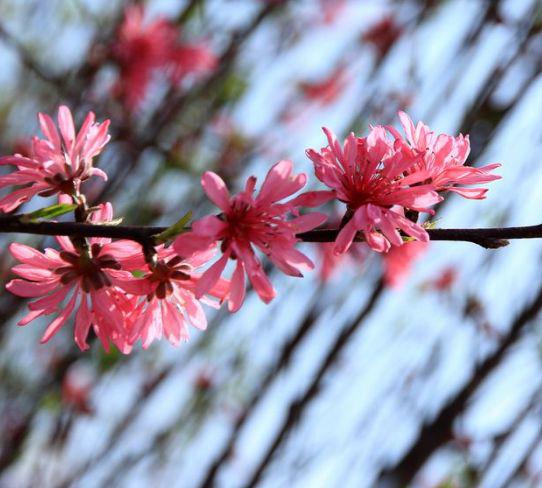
column 438, row 431
column 299, row 405
column 490, row 238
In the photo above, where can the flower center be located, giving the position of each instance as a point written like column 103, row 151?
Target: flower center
column 164, row 272
column 88, row 269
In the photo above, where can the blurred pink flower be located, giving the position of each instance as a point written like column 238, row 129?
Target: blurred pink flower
column 248, row 221
column 331, row 9
column 57, row 164
column 166, row 302
column 383, row 34
column 443, row 158
column 399, row 260
column 330, row 262
column 445, row 279
column 326, row 91
column 367, row 175
column 88, row 276
column 142, row 48
column 77, row 386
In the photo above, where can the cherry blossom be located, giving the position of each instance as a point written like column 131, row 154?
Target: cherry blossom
column 383, row 34
column 249, row 221
column 85, row 278
column 367, row 174
column 328, row 90
column 443, row 157
column 166, row 301
column 59, row 163
column 398, row 262
column 143, row 48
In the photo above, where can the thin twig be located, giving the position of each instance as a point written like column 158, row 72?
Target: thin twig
column 490, row 237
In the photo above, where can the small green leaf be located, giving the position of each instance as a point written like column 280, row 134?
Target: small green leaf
column 175, row 229
column 108, row 360
column 51, row 401
column 49, row 212
column 113, row 222
column 137, row 273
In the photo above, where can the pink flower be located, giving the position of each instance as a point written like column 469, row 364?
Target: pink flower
column 444, row 280
column 166, row 301
column 399, row 260
column 330, row 262
column 85, row 279
column 77, row 387
column 383, row 34
column 327, row 90
column 367, row 175
column 443, row 158
column 57, row 164
column 247, row 221
column 143, row 48
column 331, row 9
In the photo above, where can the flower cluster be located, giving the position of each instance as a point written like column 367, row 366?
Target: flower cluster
column 145, row 48
column 384, row 179
column 57, row 164
column 127, row 291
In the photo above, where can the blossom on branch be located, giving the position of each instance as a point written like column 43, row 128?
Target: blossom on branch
column 398, row 261
column 166, row 301
column 86, row 278
column 367, row 174
column 57, row 164
column 144, row 48
column 443, row 157
column 249, row 222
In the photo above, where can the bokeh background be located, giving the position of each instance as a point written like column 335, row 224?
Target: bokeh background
column 339, row 382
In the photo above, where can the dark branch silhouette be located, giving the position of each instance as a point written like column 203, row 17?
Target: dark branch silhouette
column 490, row 238
column 438, row 431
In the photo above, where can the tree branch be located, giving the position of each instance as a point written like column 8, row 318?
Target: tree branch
column 490, row 238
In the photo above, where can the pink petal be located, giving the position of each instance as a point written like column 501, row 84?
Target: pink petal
column 237, row 293
column 50, row 302
column 345, row 238
column 30, row 316
column 20, row 162
column 66, row 244
column 279, row 183
column 312, row 198
column 256, row 274
column 174, row 324
column 376, row 241
column 29, row 255
column 210, row 226
column 83, row 320
column 308, row 222
column 471, row 193
column 128, row 253
column 32, row 273
column 17, row 178
column 67, row 129
column 200, row 258
column 30, row 289
column 216, row 190
column 194, row 310
column 291, row 261
column 49, row 130
column 189, row 243
column 211, row 276
column 16, row 198
column 57, row 323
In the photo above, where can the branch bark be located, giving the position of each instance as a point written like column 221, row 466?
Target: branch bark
column 490, row 237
